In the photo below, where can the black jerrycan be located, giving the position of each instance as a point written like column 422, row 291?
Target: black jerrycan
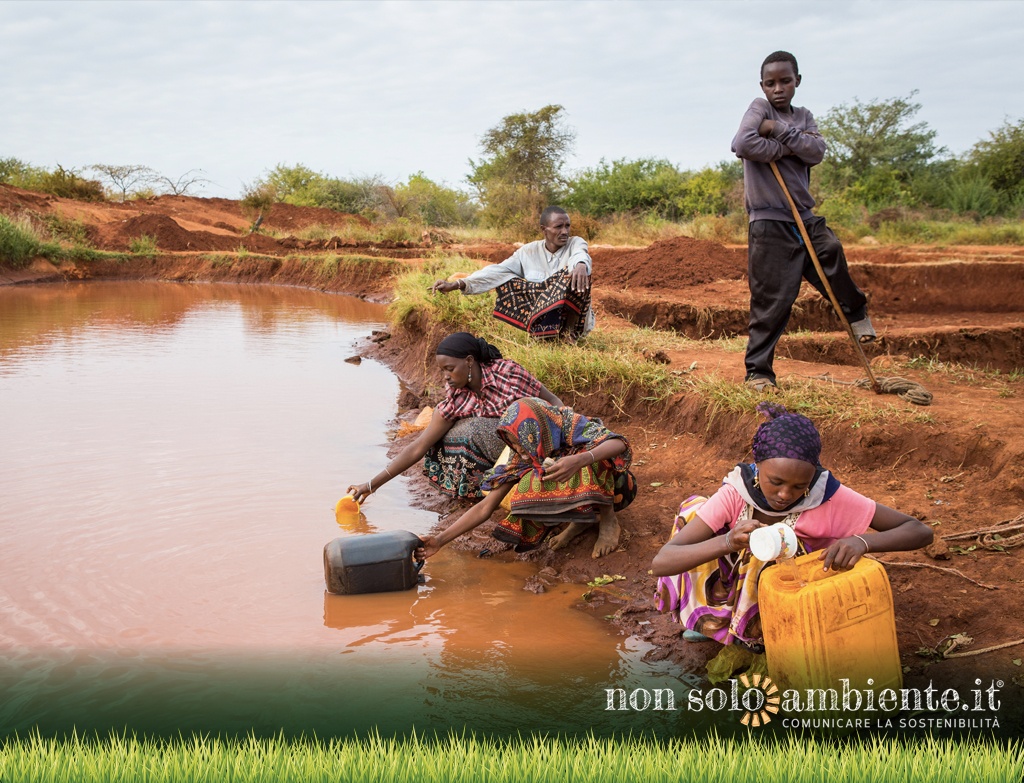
column 372, row 563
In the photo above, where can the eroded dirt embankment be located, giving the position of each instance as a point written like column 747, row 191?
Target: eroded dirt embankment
column 961, row 468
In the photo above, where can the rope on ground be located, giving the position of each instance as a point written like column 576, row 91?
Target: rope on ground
column 983, row 649
column 901, row 387
column 953, row 571
column 995, row 537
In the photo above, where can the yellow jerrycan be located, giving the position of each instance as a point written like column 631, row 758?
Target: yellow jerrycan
column 821, row 627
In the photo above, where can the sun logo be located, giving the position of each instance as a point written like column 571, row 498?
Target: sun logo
column 760, row 700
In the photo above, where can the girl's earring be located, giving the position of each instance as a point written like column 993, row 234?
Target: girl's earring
column 807, row 492
column 757, row 481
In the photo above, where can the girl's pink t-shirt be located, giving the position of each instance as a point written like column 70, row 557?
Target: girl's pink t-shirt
column 846, row 513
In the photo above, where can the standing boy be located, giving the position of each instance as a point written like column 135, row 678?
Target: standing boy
column 775, row 130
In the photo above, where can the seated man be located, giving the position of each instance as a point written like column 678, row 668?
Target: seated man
column 544, row 287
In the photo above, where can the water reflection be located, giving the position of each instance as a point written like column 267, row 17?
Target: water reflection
column 172, row 456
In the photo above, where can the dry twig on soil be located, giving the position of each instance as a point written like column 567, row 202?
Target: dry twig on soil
column 953, row 571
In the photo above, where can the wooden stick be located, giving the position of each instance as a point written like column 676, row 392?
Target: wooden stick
column 824, row 280
column 953, row 571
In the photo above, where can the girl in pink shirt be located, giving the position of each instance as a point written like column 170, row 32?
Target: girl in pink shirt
column 708, row 575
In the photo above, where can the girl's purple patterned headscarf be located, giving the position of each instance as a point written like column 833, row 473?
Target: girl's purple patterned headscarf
column 787, row 435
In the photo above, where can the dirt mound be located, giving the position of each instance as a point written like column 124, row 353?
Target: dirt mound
column 673, row 263
column 171, row 237
column 14, row 200
column 292, row 218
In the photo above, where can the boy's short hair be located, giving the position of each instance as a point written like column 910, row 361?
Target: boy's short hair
column 780, row 57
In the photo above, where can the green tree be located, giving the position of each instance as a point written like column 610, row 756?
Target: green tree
column 652, row 186
column 20, row 174
column 434, row 204
column 875, row 150
column 1000, row 157
column 521, row 167
column 294, row 184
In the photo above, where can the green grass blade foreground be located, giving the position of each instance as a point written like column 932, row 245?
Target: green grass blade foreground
column 792, row 759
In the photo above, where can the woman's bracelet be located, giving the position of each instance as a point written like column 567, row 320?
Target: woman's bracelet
column 728, row 540
column 592, row 457
column 390, row 474
column 867, row 547
column 370, row 485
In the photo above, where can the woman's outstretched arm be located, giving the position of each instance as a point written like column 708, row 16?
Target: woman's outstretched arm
column 406, row 458
column 475, row 517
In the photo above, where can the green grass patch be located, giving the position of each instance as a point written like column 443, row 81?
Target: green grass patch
column 620, row 361
column 63, row 229
column 793, row 759
column 819, row 400
column 144, row 245
column 951, row 232
column 611, row 361
column 20, row 242
column 966, row 374
column 401, row 230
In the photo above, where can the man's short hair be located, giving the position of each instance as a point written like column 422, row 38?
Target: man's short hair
column 546, row 215
column 780, row 57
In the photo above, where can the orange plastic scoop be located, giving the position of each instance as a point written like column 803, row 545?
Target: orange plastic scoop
column 346, row 507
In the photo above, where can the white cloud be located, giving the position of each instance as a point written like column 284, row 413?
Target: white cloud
column 397, row 87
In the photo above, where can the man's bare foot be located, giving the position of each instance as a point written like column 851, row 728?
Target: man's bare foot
column 608, row 531
column 562, row 539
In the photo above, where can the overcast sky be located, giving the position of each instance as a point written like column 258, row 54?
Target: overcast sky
column 392, row 88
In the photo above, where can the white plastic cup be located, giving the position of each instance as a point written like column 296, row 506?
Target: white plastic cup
column 775, row 542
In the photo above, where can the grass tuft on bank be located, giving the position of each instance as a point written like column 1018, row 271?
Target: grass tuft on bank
column 622, row 361
column 793, row 759
column 21, row 241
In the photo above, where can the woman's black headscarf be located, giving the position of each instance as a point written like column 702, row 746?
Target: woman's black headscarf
column 463, row 344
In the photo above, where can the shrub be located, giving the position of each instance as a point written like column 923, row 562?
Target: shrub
column 144, row 245
column 66, row 183
column 19, row 241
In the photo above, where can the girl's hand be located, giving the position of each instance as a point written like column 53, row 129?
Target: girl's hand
column 844, row 553
column 739, row 537
column 360, row 492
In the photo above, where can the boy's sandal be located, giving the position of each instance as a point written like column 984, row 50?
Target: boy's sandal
column 761, row 384
column 864, row 331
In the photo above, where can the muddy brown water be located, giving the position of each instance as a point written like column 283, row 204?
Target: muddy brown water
column 171, row 457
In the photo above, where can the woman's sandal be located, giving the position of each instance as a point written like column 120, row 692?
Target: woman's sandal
column 864, row 331
column 690, row 635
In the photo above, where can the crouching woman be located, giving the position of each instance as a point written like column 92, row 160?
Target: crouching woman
column 564, row 468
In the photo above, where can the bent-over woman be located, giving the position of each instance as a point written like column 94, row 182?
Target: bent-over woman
column 564, row 468
column 708, row 575
column 460, row 442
